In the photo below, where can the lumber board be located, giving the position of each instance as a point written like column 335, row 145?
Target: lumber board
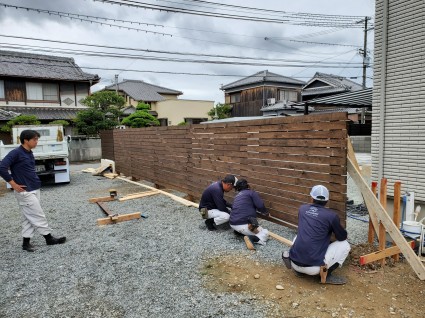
column 102, row 199
column 119, row 218
column 373, row 203
column 137, row 196
column 379, row 255
column 174, row 197
column 280, row 238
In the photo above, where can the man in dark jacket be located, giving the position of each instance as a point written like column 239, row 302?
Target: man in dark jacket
column 312, row 252
column 243, row 218
column 213, row 207
column 24, row 180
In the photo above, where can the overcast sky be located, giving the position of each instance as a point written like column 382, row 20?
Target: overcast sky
column 287, row 48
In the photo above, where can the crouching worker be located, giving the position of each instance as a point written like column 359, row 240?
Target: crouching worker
column 312, row 252
column 213, row 207
column 243, row 218
column 24, row 180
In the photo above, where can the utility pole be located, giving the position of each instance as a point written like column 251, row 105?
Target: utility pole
column 116, row 83
column 365, row 51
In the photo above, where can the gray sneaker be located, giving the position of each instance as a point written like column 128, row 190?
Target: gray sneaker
column 204, row 213
column 335, row 280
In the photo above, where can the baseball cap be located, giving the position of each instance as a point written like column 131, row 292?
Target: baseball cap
column 320, row 193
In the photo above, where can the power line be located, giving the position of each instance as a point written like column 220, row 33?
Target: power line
column 151, row 71
column 303, row 19
column 159, row 51
column 182, row 60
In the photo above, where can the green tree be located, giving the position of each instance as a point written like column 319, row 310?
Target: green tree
column 223, row 111
column 143, row 106
column 140, row 118
column 20, row 120
column 104, row 100
column 91, row 121
column 60, row 122
column 105, row 110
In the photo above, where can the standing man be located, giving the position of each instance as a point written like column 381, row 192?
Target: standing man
column 243, row 218
column 312, row 252
column 26, row 183
column 213, row 207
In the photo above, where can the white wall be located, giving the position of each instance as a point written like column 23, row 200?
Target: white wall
column 403, row 120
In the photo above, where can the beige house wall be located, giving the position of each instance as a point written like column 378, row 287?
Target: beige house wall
column 179, row 109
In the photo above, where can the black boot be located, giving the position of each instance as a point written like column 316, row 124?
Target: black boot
column 51, row 240
column 210, row 224
column 27, row 246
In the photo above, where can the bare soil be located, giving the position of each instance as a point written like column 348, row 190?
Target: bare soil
column 391, row 291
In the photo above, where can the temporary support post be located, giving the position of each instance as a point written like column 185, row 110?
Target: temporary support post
column 396, row 214
column 382, row 237
column 372, row 230
column 375, row 208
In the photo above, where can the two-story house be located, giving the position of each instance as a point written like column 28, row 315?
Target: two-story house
column 49, row 87
column 252, row 93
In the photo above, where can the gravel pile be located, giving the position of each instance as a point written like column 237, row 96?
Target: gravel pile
column 141, row 268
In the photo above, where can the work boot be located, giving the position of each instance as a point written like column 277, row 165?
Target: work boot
column 51, row 240
column 204, row 213
column 299, row 274
column 210, row 224
column 27, row 246
column 286, row 260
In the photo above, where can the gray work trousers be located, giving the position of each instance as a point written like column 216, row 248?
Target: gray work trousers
column 33, row 215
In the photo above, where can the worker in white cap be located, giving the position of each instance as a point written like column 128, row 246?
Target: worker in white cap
column 312, row 252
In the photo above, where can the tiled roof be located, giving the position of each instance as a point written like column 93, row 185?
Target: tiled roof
column 37, row 66
column 142, row 91
column 262, row 77
column 45, row 113
column 7, row 115
column 332, row 84
column 360, row 98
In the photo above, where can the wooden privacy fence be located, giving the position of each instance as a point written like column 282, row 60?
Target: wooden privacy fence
column 282, row 158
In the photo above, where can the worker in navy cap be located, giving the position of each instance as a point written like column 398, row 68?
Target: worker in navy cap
column 312, row 252
column 213, row 207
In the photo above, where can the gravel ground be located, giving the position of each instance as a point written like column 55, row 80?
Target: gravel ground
column 150, row 267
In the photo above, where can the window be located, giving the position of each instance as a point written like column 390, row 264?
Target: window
column 288, row 96
column 1, row 89
column 42, row 91
column 235, row 98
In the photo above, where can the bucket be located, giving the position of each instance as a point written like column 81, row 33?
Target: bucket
column 412, row 228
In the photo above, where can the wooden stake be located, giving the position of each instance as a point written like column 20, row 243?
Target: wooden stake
column 372, row 230
column 396, row 215
column 382, row 237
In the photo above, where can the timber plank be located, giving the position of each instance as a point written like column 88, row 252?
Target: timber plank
column 120, row 218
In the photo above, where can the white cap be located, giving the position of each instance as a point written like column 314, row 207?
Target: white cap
column 320, row 193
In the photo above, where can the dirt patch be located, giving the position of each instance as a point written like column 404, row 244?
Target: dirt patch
column 391, row 291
